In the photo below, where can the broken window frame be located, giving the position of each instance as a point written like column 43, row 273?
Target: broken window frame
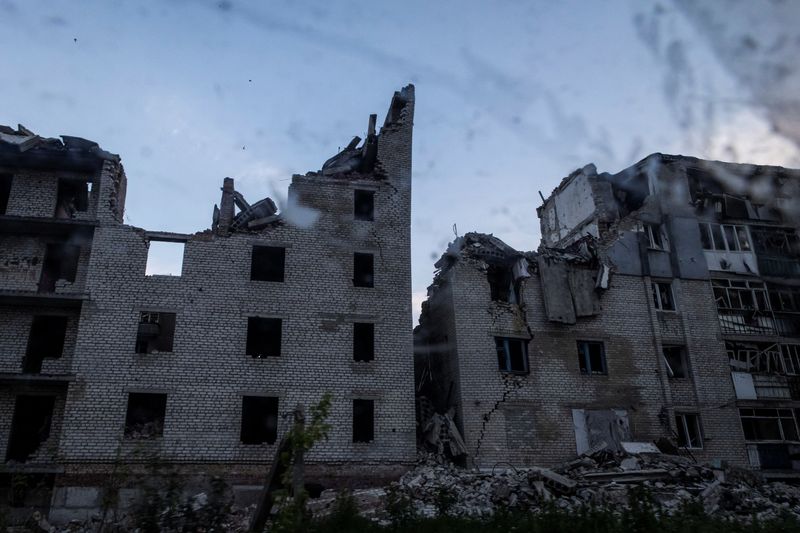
column 585, row 358
column 725, row 237
column 689, row 430
column 363, row 341
column 734, row 294
column 363, row 269
column 784, row 298
column 132, row 426
column 766, row 358
column 268, row 263
column 775, row 241
column 162, row 342
column 363, row 428
column 660, row 290
column 6, row 181
column 364, row 205
column 656, row 237
column 250, row 430
column 784, row 420
column 266, row 326
column 677, row 354
column 512, row 355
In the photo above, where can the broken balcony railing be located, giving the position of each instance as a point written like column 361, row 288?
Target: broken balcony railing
column 759, row 322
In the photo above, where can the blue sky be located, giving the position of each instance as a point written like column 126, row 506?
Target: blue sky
column 511, row 96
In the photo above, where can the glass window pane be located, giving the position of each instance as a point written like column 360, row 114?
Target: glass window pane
column 716, row 233
column 731, row 238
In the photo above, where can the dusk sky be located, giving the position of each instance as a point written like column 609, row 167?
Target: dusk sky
column 511, row 95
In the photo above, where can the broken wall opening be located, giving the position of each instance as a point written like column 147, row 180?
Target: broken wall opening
column 263, row 337
column 268, row 263
column 601, row 428
column 5, row 192
column 156, row 332
column 145, row 416
column 259, row 420
column 164, row 258
column 363, row 341
column 363, row 420
column 60, row 263
column 363, row 270
column 502, row 285
column 30, row 426
column 72, row 197
column 46, row 341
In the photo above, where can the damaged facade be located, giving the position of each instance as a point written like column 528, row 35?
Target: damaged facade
column 663, row 306
column 103, row 365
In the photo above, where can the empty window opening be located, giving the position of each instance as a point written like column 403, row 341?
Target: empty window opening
column 156, row 332
column 263, row 337
column 363, row 420
column 363, row 270
column 675, row 361
column 502, row 286
column 267, row 263
column 164, row 258
column 46, row 341
column 5, row 192
column 656, row 237
column 592, row 357
column 60, row 263
column 662, row 296
column 259, row 420
column 145, row 416
column 363, row 341
column 689, row 433
column 364, row 205
column 769, row 424
column 72, row 197
column 30, row 426
column 512, row 355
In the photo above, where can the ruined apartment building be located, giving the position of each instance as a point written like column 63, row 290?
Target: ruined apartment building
column 102, row 364
column 662, row 306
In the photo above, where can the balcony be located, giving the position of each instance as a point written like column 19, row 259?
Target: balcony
column 759, row 323
column 784, row 267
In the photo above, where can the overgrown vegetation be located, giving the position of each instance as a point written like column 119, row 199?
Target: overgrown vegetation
column 641, row 517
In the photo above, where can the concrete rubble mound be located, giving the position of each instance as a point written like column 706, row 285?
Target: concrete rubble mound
column 603, row 479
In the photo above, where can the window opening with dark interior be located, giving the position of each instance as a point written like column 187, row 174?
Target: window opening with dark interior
column 60, row 263
column 592, row 357
column 363, row 341
column 30, row 426
column 512, row 355
column 675, row 361
column 5, row 192
column 263, row 337
column 364, row 205
column 502, row 286
column 268, row 263
column 72, row 197
column 363, row 420
column 363, row 270
column 259, row 420
column 655, row 236
column 662, row 296
column 689, row 434
column 145, row 416
column 46, row 341
column 156, row 332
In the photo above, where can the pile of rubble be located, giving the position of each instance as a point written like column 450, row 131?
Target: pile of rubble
column 602, row 479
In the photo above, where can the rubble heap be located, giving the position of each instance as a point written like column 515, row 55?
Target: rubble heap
column 602, row 479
